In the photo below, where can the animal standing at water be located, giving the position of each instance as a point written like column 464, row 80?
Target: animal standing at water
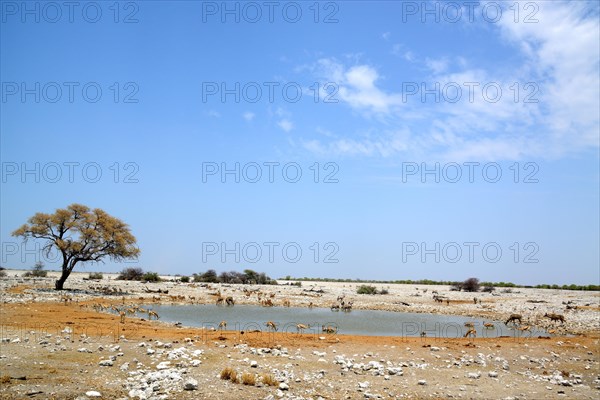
column 271, row 325
column 488, row 325
column 222, row 325
column 471, row 332
column 122, row 314
column 328, row 329
column 230, row 301
column 301, row 327
column 152, row 313
column 513, row 318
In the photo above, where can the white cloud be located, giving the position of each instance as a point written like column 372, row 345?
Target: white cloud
column 214, row 114
column 248, row 116
column 286, row 125
column 563, row 53
column 560, row 63
column 437, row 66
column 357, row 87
column 386, row 35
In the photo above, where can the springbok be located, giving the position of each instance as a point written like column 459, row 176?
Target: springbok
column 525, row 328
column 152, row 313
column 301, row 327
column 222, row 325
column 328, row 329
column 311, row 305
column 513, row 318
column 423, row 334
column 488, row 325
column 220, row 300
column 555, row 317
column 471, row 332
column 122, row 314
column 286, row 303
column 230, row 301
column 469, row 324
column 335, row 307
column 271, row 325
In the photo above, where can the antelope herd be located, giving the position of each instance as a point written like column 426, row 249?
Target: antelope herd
column 266, row 299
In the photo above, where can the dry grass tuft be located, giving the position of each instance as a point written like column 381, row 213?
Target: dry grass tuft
column 229, row 374
column 269, row 380
column 248, row 379
column 5, row 379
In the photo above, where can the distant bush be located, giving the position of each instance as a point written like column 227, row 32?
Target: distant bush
column 298, row 283
column 471, row 285
column 184, row 279
column 2, row 273
column 488, row 289
column 37, row 271
column 456, row 286
column 366, row 289
column 131, row 274
column 151, row 277
column 95, row 275
column 384, row 291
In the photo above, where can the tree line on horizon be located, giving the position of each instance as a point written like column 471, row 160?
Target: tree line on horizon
column 454, row 284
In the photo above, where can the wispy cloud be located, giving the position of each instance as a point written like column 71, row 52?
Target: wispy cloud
column 286, row 125
column 248, row 116
column 357, row 86
column 553, row 110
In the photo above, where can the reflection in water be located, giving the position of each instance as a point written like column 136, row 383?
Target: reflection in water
column 357, row 322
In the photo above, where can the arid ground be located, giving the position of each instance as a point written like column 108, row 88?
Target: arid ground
column 71, row 345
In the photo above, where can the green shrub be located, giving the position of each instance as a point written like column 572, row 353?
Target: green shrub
column 366, row 289
column 37, row 271
column 95, row 275
column 151, row 277
column 184, row 279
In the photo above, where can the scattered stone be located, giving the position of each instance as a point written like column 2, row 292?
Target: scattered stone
column 106, row 363
column 93, row 393
column 190, row 384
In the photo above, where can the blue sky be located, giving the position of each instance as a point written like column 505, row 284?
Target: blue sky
column 158, row 97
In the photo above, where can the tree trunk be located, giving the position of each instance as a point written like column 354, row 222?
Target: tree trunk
column 66, row 271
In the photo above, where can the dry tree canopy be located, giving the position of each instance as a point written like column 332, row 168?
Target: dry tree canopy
column 81, row 234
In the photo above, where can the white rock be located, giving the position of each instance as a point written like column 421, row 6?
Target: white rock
column 93, row 393
column 493, row 374
column 283, row 386
column 106, row 363
column 190, row 384
column 195, row 363
column 473, row 375
column 163, row 365
column 422, row 382
column 253, row 364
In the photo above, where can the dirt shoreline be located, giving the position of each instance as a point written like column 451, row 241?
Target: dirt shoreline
column 49, row 337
